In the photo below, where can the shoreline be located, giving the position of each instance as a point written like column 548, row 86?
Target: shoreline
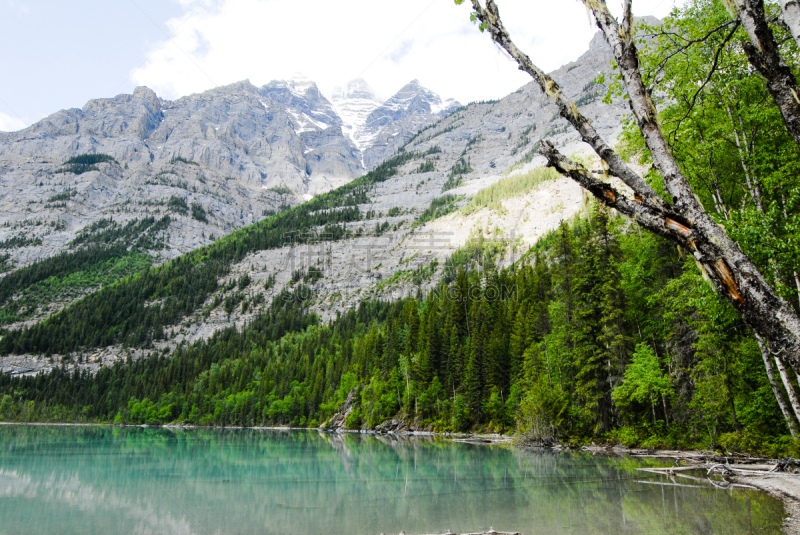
column 456, row 437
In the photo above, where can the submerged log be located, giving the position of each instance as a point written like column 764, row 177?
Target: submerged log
column 668, row 469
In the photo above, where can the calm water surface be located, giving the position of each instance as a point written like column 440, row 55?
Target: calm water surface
column 131, row 480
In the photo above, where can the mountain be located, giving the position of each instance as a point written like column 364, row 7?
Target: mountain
column 237, row 151
column 378, row 128
column 392, row 124
column 380, row 232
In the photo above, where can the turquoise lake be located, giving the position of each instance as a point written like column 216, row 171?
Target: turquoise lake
column 103, row 480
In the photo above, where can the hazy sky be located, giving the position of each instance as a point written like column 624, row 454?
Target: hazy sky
column 59, row 54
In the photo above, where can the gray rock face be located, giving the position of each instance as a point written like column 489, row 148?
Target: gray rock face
column 412, row 99
column 391, row 125
column 285, row 133
column 338, row 421
column 493, row 137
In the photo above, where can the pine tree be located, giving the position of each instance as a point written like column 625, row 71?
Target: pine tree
column 519, row 342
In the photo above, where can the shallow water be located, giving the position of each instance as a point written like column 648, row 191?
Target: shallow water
column 132, row 480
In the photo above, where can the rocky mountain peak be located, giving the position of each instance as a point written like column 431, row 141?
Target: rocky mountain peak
column 378, row 127
column 414, row 98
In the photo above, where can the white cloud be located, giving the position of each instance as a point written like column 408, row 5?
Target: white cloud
column 387, row 43
column 19, row 8
column 9, row 123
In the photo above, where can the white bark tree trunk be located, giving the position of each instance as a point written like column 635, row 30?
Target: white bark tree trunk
column 791, row 16
column 787, row 384
column 763, row 53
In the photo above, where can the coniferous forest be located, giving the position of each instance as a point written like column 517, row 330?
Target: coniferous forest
column 601, row 331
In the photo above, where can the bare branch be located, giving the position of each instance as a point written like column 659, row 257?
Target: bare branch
column 651, row 216
column 655, row 218
column 708, row 78
column 690, row 42
column 490, row 17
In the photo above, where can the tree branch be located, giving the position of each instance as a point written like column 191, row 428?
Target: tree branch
column 490, row 18
column 651, row 216
column 708, row 78
column 763, row 53
column 644, row 110
column 657, row 219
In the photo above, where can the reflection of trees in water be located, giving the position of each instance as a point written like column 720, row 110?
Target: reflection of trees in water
column 267, row 481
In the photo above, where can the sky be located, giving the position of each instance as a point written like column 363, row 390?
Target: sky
column 59, row 54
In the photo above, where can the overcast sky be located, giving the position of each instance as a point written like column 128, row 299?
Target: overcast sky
column 59, row 54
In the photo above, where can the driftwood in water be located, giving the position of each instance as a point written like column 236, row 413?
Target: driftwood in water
column 664, row 484
column 702, row 458
column 748, row 468
column 661, row 484
column 670, row 469
column 706, row 480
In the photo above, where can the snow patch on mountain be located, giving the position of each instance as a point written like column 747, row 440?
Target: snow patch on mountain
column 365, row 118
column 354, row 104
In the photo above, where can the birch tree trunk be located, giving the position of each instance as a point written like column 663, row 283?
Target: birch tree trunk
column 776, row 388
column 752, row 186
column 787, row 384
column 685, row 222
column 790, row 10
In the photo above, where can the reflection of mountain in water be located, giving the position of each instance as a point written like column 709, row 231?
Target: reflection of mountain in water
column 136, row 480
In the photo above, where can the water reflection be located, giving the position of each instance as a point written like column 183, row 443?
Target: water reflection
column 132, row 480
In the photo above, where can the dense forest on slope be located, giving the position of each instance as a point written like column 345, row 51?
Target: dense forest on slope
column 103, row 253
column 135, row 311
column 602, row 331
